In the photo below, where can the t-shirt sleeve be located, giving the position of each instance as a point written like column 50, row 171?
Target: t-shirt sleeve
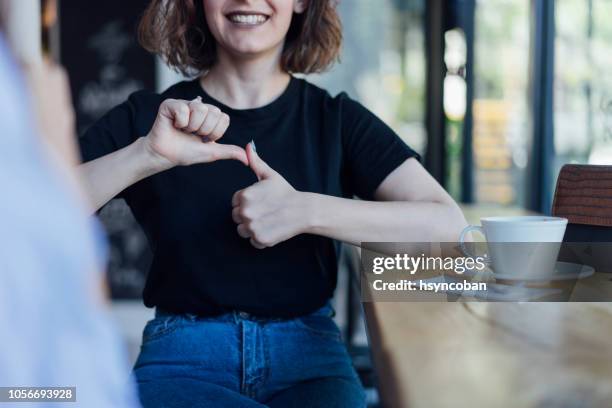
column 372, row 150
column 119, row 127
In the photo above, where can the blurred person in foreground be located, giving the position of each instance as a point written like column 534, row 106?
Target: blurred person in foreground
column 56, row 327
column 244, row 240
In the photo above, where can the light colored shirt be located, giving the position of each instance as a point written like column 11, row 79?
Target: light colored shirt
column 55, row 329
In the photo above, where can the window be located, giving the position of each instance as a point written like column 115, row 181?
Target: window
column 501, row 123
column 383, row 63
column 583, row 82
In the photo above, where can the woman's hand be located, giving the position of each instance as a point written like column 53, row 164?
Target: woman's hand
column 271, row 210
column 185, row 132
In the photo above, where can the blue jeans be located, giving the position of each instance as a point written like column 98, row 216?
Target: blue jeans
column 239, row 360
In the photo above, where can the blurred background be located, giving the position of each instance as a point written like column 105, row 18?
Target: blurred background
column 495, row 94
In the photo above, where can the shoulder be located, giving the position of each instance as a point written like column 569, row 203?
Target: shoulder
column 341, row 103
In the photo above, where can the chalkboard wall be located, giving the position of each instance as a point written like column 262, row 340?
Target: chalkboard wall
column 98, row 47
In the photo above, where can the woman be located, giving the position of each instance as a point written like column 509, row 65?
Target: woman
column 243, row 239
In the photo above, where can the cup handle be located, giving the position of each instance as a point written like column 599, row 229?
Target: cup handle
column 462, row 245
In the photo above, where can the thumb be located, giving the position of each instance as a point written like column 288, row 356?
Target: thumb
column 259, row 167
column 215, row 151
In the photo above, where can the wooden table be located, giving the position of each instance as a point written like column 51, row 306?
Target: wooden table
column 493, row 354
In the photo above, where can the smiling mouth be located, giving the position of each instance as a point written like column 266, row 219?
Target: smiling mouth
column 247, row 19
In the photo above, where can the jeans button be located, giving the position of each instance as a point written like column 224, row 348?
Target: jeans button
column 243, row 315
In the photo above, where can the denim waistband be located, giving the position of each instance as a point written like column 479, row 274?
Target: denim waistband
column 327, row 310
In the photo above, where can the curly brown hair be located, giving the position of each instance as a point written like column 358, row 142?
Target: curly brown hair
column 177, row 30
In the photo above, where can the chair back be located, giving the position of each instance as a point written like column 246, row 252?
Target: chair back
column 584, row 196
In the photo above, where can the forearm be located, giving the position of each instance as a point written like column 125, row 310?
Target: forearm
column 108, row 175
column 356, row 221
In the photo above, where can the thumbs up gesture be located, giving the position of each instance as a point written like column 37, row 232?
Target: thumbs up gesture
column 270, row 211
column 259, row 167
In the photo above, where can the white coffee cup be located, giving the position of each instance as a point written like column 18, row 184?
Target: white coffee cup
column 520, row 246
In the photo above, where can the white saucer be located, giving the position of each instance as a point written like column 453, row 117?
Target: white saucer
column 563, row 271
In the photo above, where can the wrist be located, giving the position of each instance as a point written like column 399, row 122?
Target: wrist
column 310, row 212
column 152, row 162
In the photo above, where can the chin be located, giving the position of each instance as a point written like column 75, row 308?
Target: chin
column 249, row 51
column 249, row 48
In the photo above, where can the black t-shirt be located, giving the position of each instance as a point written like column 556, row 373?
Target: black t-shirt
column 318, row 143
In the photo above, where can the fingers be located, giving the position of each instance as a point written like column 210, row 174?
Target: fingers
column 197, row 114
column 245, row 233
column 210, row 122
column 256, row 244
column 220, row 128
column 177, row 111
column 236, row 198
column 244, row 220
column 236, row 215
column 247, row 195
column 196, row 117
column 207, row 120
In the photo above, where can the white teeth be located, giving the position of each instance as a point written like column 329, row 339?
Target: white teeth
column 248, row 18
